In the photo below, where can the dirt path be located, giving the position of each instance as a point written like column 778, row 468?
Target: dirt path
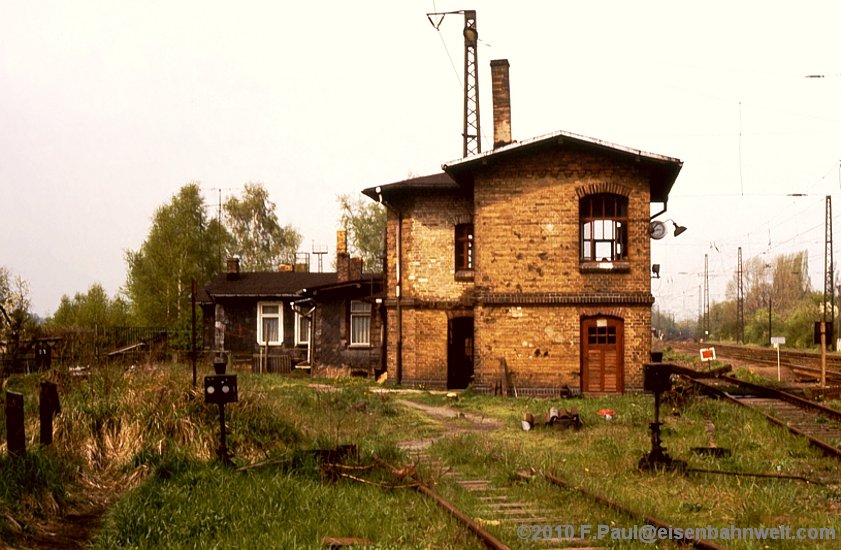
column 452, row 422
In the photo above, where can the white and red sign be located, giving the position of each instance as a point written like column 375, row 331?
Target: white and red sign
column 707, row 354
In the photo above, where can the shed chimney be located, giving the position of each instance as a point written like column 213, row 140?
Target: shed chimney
column 341, row 241
column 501, row 91
column 233, row 268
column 342, row 256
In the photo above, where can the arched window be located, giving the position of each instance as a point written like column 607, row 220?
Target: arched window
column 604, row 227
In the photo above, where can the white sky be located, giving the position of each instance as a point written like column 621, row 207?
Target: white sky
column 108, row 108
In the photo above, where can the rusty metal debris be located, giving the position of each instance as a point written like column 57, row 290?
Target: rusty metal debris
column 713, row 449
column 556, row 419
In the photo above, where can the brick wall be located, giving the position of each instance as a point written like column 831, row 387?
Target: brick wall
column 527, row 227
column 530, row 291
column 429, row 248
column 542, row 344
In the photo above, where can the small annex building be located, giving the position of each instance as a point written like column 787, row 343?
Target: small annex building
column 274, row 321
column 532, row 259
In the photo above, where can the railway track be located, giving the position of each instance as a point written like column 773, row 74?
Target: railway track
column 805, row 364
column 515, row 513
column 819, row 424
column 505, row 516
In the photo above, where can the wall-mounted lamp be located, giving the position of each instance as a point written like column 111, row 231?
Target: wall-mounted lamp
column 657, row 229
column 655, row 271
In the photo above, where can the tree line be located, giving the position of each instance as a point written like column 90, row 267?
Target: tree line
column 186, row 243
column 778, row 300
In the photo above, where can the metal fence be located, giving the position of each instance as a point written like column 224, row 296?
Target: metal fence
column 88, row 346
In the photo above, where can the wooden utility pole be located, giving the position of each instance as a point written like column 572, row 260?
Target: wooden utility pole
column 15, row 434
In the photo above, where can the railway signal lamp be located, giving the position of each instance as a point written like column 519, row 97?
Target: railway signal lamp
column 221, row 389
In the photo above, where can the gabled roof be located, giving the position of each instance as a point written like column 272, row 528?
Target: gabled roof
column 663, row 170
column 267, row 284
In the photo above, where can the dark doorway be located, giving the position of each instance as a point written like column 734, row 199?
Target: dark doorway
column 459, row 352
column 602, row 349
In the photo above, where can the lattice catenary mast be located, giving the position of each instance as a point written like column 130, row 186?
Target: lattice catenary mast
column 740, row 302
column 471, row 133
column 829, row 276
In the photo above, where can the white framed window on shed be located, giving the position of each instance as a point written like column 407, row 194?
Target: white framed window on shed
column 360, row 323
column 302, row 329
column 270, row 323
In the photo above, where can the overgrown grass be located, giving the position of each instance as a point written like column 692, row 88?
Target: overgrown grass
column 602, row 457
column 143, row 429
column 34, row 485
column 147, row 436
column 204, row 505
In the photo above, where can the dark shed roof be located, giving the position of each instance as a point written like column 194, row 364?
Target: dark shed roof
column 267, row 284
column 431, row 183
column 371, row 284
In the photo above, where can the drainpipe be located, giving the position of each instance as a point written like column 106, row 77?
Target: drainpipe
column 311, row 337
column 398, row 286
column 660, row 213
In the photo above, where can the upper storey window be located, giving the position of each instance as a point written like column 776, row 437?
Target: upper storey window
column 604, row 228
column 464, row 246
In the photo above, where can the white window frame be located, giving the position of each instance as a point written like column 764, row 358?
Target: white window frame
column 302, row 338
column 261, row 316
column 604, row 237
column 359, row 314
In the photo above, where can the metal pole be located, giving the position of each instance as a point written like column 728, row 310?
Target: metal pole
column 823, row 354
column 769, row 316
column 223, row 448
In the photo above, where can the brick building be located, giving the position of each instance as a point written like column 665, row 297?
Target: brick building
column 531, row 259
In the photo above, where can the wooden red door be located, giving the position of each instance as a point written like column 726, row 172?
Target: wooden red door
column 602, row 350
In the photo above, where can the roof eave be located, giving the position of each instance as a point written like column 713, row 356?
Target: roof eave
column 663, row 176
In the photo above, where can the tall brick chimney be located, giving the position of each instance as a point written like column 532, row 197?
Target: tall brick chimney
column 501, row 91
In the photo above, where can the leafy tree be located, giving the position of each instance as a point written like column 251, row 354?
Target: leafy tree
column 259, row 240
column 183, row 244
column 17, row 323
column 90, row 309
column 782, row 281
column 364, row 222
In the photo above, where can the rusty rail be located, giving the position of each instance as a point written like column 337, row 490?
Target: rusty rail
column 825, row 446
column 796, row 400
column 487, row 538
column 651, row 520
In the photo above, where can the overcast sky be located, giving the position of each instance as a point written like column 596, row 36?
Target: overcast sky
column 108, row 108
